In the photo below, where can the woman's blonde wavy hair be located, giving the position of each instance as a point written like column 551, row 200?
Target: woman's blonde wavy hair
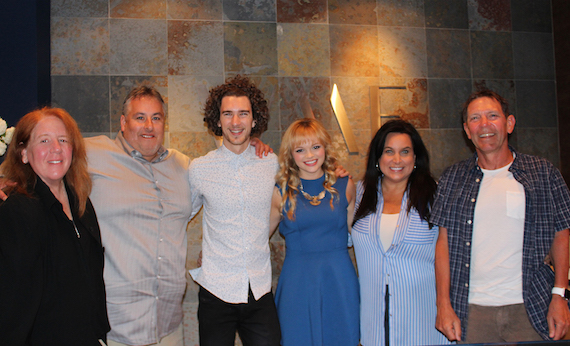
column 287, row 178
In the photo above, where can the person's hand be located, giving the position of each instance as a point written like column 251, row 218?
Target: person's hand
column 558, row 317
column 199, row 260
column 260, row 147
column 448, row 323
column 5, row 183
column 341, row 172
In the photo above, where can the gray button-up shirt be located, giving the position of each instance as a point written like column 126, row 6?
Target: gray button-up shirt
column 143, row 209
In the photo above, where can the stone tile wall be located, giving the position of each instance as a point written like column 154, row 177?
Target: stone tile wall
column 440, row 50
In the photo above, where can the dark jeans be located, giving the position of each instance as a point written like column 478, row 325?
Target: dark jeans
column 255, row 321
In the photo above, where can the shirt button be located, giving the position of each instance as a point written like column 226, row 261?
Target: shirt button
column 158, row 276
column 467, row 243
column 469, row 222
column 472, row 200
column 159, row 258
column 161, row 239
column 156, row 298
column 477, row 180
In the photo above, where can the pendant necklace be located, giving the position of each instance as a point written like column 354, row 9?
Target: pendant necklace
column 314, row 200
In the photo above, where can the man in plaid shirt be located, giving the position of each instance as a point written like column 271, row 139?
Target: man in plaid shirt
column 504, row 219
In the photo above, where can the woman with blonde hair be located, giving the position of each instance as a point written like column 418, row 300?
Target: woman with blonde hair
column 317, row 295
column 51, row 257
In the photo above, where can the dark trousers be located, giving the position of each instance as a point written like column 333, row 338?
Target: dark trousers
column 255, row 321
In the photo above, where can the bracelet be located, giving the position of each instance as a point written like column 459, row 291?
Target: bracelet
column 560, row 291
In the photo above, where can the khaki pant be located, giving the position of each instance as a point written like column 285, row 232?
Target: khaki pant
column 508, row 323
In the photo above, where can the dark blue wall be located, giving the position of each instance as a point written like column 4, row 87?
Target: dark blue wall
column 24, row 57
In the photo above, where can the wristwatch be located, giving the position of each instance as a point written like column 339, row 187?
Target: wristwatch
column 563, row 292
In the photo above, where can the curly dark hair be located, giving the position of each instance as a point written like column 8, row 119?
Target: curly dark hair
column 237, row 86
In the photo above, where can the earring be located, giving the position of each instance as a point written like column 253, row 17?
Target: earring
column 25, row 160
column 378, row 167
column 414, row 166
column 253, row 124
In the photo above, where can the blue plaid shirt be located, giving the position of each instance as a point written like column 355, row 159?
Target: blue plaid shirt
column 547, row 210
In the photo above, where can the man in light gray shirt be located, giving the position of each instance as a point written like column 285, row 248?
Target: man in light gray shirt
column 141, row 196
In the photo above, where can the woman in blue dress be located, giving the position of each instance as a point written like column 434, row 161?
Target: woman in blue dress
column 394, row 243
column 317, row 295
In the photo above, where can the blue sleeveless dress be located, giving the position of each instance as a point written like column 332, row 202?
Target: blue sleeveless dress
column 317, row 295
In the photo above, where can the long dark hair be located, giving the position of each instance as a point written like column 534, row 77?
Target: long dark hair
column 421, row 185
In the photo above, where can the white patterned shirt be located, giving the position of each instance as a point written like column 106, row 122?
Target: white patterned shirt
column 143, row 209
column 236, row 192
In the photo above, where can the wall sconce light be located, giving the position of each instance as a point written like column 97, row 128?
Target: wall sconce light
column 342, row 118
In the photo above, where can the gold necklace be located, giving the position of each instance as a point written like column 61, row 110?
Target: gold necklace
column 314, row 200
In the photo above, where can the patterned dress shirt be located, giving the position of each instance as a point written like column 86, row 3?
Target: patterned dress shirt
column 143, row 210
column 236, row 192
column 547, row 211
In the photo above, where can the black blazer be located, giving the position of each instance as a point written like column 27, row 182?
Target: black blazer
column 51, row 280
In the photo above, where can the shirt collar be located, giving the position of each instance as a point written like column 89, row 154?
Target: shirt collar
column 47, row 197
column 246, row 154
column 516, row 164
column 122, row 143
column 44, row 193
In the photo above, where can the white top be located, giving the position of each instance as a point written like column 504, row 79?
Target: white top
column 497, row 244
column 388, row 224
column 236, row 192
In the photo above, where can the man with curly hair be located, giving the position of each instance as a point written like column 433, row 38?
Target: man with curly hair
column 235, row 187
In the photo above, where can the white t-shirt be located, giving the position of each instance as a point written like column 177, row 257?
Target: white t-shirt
column 388, row 224
column 497, row 243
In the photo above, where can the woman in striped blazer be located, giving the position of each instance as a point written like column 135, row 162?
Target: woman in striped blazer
column 394, row 243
